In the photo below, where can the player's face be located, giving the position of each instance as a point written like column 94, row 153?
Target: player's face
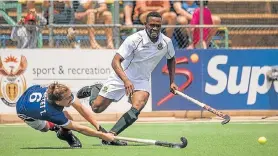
column 67, row 99
column 153, row 27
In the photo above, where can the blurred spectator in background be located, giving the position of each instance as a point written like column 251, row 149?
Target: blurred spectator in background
column 90, row 12
column 63, row 12
column 128, row 10
column 208, row 33
column 30, row 4
column 185, row 10
column 27, row 33
column 142, row 9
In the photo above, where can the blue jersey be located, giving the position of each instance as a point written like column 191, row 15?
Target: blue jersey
column 32, row 105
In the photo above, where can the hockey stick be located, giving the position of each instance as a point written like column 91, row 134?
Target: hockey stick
column 183, row 143
column 206, row 107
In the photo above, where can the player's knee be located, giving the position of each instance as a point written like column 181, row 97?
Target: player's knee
column 45, row 129
column 139, row 105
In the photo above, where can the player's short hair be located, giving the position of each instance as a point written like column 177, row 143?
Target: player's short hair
column 56, row 91
column 153, row 14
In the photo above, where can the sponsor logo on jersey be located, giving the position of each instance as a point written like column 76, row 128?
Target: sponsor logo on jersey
column 105, row 89
column 160, row 46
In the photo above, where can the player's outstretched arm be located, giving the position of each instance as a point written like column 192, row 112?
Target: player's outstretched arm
column 171, row 64
column 89, row 131
column 85, row 112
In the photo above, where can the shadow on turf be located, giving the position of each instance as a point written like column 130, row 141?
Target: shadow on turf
column 47, row 148
column 122, row 146
column 96, row 145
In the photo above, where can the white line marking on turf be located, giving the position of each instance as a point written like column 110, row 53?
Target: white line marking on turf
column 233, row 123
column 174, row 123
column 256, row 123
column 13, row 125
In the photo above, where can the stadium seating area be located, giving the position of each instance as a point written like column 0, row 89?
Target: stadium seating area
column 249, row 13
column 244, row 13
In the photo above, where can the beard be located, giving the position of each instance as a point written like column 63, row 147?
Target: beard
column 153, row 34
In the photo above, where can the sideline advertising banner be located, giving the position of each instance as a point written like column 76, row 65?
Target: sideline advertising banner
column 224, row 79
column 74, row 67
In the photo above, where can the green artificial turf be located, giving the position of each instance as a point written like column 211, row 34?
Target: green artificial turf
column 204, row 139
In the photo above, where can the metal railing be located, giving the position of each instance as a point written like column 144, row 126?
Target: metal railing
column 253, row 31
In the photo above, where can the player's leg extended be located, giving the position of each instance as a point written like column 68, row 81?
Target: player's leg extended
column 30, row 120
column 62, row 133
column 89, row 91
column 36, row 124
column 98, row 103
column 68, row 136
column 41, row 125
column 98, row 106
column 138, row 100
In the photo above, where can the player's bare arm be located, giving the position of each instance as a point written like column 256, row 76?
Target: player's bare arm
column 171, row 64
column 116, row 65
column 86, row 113
column 67, row 114
column 88, row 131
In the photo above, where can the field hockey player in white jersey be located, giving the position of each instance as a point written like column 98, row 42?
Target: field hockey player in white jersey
column 133, row 64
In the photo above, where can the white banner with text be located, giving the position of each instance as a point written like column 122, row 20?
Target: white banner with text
column 73, row 67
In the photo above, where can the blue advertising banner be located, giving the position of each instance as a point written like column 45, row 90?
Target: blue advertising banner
column 224, row 79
